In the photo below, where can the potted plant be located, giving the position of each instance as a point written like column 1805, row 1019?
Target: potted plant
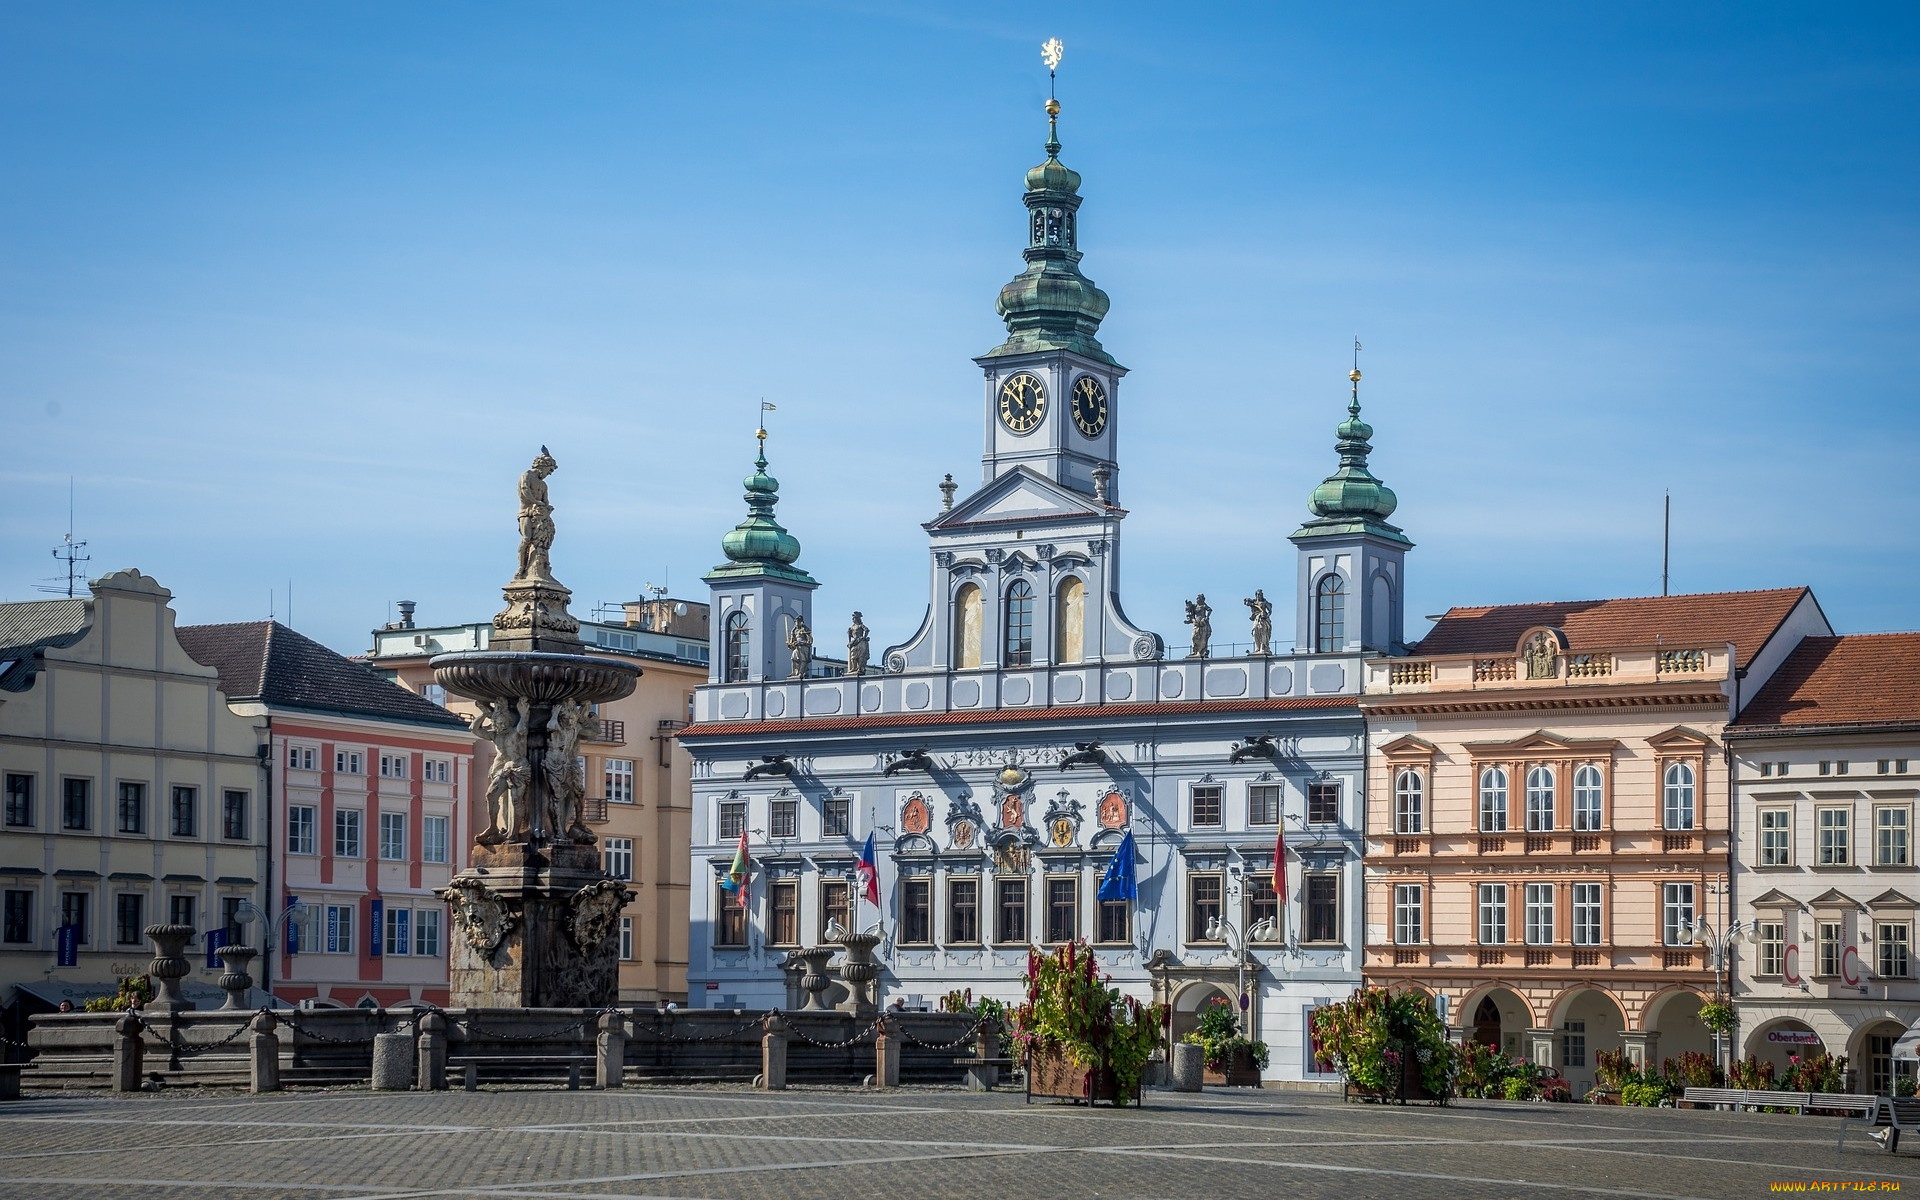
column 1231, row 1060
column 1390, row 1046
column 1082, row 1040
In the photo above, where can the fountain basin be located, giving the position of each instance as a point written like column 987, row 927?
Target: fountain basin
column 540, row 677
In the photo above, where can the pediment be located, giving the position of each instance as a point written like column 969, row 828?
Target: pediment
column 1408, row 746
column 1680, row 738
column 1021, row 494
column 1833, row 898
column 1892, row 899
column 1540, row 743
column 1774, row 899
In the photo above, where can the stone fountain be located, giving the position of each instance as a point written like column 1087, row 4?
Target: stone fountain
column 536, row 911
column 859, row 971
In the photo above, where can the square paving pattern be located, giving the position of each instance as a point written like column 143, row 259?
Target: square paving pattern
column 833, row 1144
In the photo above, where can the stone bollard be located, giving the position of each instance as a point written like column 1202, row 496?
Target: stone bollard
column 263, row 1054
column 610, row 1067
column 886, row 1052
column 430, row 1073
column 128, row 1053
column 392, row 1062
column 1189, row 1065
column 773, row 1053
column 986, row 1045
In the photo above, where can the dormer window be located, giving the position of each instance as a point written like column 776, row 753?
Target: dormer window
column 1018, row 646
column 1330, row 615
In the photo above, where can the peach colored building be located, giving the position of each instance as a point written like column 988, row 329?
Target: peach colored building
column 1548, row 815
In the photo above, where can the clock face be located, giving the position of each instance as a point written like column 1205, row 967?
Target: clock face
column 1023, row 401
column 1089, row 405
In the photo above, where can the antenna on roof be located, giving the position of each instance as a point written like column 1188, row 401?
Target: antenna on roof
column 71, row 553
column 1666, row 540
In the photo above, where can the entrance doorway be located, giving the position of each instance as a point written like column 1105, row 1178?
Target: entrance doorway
column 1486, row 1023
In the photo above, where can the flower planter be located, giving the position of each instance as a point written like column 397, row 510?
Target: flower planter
column 1050, row 1073
column 1411, row 1089
column 1238, row 1071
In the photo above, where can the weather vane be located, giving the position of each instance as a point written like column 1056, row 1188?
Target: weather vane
column 1050, row 52
column 761, row 432
column 1355, row 377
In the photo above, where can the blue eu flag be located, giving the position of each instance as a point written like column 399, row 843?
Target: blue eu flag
column 1118, row 883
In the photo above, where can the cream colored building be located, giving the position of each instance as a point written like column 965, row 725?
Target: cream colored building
column 132, row 794
column 639, row 801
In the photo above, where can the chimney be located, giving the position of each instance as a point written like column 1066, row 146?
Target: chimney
column 406, row 614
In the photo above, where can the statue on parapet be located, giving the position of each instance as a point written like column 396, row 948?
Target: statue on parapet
column 1262, row 610
column 1200, row 616
column 800, row 642
column 858, row 646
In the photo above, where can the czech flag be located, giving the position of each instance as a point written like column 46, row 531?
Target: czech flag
column 739, row 872
column 867, row 871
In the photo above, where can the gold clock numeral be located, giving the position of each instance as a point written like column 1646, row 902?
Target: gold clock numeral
column 1023, row 401
column 1089, row 406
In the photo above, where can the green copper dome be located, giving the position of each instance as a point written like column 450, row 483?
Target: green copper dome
column 1051, row 305
column 1351, row 500
column 760, row 544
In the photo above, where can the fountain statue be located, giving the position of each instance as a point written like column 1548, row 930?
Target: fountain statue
column 536, row 913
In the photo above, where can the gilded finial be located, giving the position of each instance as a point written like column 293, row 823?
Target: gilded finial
column 1354, row 375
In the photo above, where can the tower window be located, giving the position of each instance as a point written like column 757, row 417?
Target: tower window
column 966, row 627
column 1330, row 615
column 737, row 630
column 1019, row 626
column 1069, row 621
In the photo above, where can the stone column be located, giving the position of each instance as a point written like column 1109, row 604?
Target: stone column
column 1189, row 1066
column 1542, row 1046
column 886, row 1052
column 263, row 1054
column 128, row 1053
column 773, row 1053
column 1642, row 1048
column 431, row 1072
column 610, row 1066
column 392, row 1062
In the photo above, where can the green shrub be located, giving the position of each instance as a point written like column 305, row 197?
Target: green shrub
column 1519, row 1087
column 1646, row 1094
column 1218, row 1037
column 1374, row 1034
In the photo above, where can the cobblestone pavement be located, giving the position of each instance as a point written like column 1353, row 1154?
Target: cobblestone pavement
column 832, row 1144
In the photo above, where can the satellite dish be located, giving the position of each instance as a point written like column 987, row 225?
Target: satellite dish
column 680, row 609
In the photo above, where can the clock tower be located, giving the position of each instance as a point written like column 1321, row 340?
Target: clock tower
column 1051, row 389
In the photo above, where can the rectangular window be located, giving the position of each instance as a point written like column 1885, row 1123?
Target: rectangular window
column 783, row 819
column 393, row 766
column 963, row 911
column 1263, row 903
column 835, row 905
column 1830, row 936
column 1539, row 914
column 233, row 815
column 1890, row 837
column 301, row 819
column 76, row 804
column 184, row 813
column 74, row 908
column 336, row 934
column 300, row 758
column 1203, row 908
column 346, row 833
column 833, row 817
column 347, row 762
column 1835, row 839
column 1063, row 909
column 426, row 932
column 1894, row 939
column 733, row 819
column 1776, row 837
column 1206, row 804
column 1493, row 914
column 130, row 809
column 230, row 917
column 17, row 924
column 180, row 910
column 618, row 853
column 399, row 931
column 129, row 918
column 1115, row 922
column 1323, row 804
column 1770, row 941
column 1573, row 1044
column 1263, row 804
column 626, row 939
column 916, row 916
column 19, row 807
column 1322, row 902
column 1840, row 767
column 1408, row 914
column 433, row 839
column 393, row 836
column 435, row 770
column 1586, row 914
column 1883, row 766
column 729, row 919
column 1540, row 800
column 619, row 780
column 1011, row 923
column 785, row 904
column 1676, row 913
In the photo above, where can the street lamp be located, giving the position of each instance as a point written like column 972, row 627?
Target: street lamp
column 1717, row 944
column 248, row 912
column 1266, row 929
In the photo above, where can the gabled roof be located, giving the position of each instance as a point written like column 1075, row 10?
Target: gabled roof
column 1859, row 679
column 1747, row 619
column 29, row 625
column 279, row 667
column 1022, row 494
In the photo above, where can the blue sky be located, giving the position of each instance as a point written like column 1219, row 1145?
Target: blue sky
column 293, row 293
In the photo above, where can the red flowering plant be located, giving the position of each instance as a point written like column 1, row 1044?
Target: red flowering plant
column 1072, row 1008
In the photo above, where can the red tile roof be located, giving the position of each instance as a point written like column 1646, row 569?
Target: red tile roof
column 1747, row 619
column 268, row 662
column 1860, row 679
column 1059, row 714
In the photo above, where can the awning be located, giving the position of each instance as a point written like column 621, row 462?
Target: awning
column 1909, row 1044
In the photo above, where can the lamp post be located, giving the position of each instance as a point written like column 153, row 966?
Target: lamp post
column 1717, row 942
column 1266, row 929
column 249, row 912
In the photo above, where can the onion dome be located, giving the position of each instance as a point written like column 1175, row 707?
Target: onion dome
column 1351, row 499
column 760, row 544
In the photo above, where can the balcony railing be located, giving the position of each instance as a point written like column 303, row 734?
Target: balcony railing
column 1589, row 666
column 612, row 732
column 1676, row 843
column 1411, row 672
column 1675, row 662
column 1406, row 845
column 1487, row 670
column 1586, row 843
column 593, row 810
column 1493, row 845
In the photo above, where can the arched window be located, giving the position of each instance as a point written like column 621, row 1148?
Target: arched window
column 1069, row 621
column 1586, row 798
column 1017, row 642
column 1679, row 796
column 1409, row 803
column 737, row 630
column 1540, row 800
column 966, row 626
column 1330, row 615
column 1493, row 800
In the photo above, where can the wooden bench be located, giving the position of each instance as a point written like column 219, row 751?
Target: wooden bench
column 1799, row 1102
column 983, row 1073
column 1893, row 1114
column 471, row 1064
